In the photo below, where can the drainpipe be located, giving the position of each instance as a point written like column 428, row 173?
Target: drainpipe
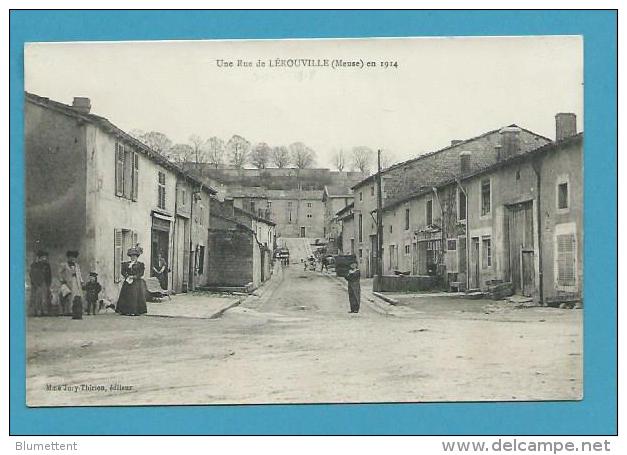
column 536, row 170
column 459, row 185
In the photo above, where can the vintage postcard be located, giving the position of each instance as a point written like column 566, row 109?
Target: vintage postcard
column 304, row 221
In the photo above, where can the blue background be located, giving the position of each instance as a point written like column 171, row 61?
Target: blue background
column 596, row 414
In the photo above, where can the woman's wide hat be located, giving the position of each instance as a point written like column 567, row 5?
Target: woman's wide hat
column 135, row 251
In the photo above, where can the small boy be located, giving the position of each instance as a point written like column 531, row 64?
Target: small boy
column 92, row 289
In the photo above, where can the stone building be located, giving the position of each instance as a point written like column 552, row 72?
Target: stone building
column 516, row 223
column 241, row 246
column 420, row 174
column 92, row 187
column 334, row 198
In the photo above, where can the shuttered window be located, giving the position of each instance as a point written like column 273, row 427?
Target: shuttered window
column 161, row 193
column 566, row 259
column 135, row 176
column 123, row 239
column 119, row 169
column 117, row 255
column 126, row 172
column 486, row 197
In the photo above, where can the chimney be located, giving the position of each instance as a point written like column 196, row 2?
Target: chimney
column 456, row 141
column 498, row 152
column 510, row 141
column 464, row 162
column 565, row 125
column 81, row 104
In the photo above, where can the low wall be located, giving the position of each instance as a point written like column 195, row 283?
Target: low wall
column 403, row 283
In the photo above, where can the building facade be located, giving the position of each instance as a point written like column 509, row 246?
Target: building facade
column 92, row 187
column 422, row 173
column 517, row 223
column 241, row 246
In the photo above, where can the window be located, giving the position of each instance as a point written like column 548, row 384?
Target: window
column 126, row 172
column 487, row 252
column 406, row 219
column 352, row 246
column 361, row 253
column 461, row 206
column 252, row 206
column 361, row 196
column 161, row 184
column 372, row 190
column 360, row 227
column 407, row 250
column 562, row 195
column 518, row 175
column 451, row 245
column 565, row 257
column 123, row 239
column 429, row 212
column 485, row 197
column 183, row 200
column 289, row 204
column 309, row 215
column 391, row 228
column 269, row 204
column 309, row 204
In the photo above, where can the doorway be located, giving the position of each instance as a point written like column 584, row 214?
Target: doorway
column 302, row 232
column 521, row 248
column 160, row 241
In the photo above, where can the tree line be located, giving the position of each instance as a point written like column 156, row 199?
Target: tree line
column 239, row 153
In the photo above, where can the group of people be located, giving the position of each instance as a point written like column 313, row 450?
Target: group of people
column 75, row 297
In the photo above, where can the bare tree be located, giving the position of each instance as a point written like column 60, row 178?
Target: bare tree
column 362, row 158
column 302, row 156
column 181, row 152
column 388, row 158
column 238, row 149
column 198, row 145
column 157, row 141
column 215, row 151
column 280, row 156
column 339, row 159
column 260, row 155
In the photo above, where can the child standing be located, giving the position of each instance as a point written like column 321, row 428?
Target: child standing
column 92, row 290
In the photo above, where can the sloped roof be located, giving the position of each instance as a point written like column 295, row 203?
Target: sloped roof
column 551, row 146
column 106, row 125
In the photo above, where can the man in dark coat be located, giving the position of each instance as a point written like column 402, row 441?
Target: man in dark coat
column 354, row 288
column 40, row 279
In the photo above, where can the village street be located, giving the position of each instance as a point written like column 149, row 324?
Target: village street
column 297, row 343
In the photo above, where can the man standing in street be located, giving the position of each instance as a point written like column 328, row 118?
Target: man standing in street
column 354, row 287
column 40, row 279
column 71, row 282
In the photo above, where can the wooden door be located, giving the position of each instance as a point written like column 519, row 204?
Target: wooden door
column 521, row 248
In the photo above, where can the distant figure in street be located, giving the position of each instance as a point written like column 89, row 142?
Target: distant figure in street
column 92, row 290
column 71, row 282
column 161, row 272
column 132, row 299
column 354, row 288
column 40, row 279
column 324, row 264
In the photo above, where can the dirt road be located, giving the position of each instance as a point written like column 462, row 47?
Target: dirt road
column 298, row 343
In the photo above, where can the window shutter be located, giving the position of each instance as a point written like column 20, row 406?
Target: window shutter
column 119, row 169
column 117, row 255
column 135, row 176
column 566, row 260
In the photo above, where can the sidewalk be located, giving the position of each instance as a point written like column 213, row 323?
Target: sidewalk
column 197, row 305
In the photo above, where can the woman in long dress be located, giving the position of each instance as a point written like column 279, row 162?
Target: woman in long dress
column 132, row 299
column 162, row 272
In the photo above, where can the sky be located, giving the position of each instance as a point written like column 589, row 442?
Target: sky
column 440, row 89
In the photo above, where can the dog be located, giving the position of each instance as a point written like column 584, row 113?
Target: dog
column 104, row 305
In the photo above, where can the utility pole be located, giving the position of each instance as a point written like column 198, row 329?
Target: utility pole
column 379, row 224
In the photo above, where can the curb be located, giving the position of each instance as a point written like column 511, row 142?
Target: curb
column 385, row 298
column 215, row 315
